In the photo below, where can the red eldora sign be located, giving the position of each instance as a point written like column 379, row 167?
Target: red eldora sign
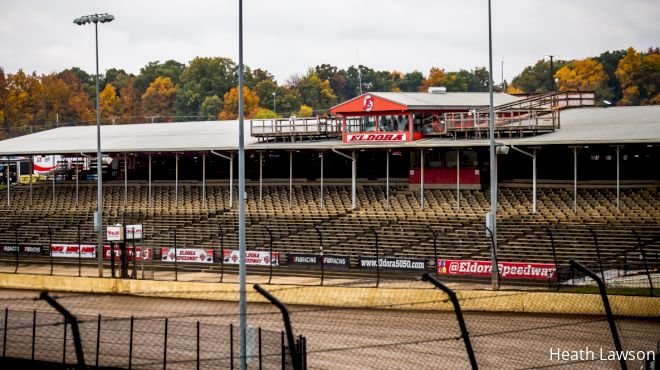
column 507, row 270
column 395, row 136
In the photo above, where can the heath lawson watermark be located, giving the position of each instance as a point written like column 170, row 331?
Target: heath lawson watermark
column 599, row 354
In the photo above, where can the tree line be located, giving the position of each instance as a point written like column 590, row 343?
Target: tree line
column 206, row 89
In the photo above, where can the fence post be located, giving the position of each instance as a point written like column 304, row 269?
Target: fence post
column 283, row 352
column 176, row 268
column 606, row 305
column 165, row 344
column 34, row 330
column 492, row 242
column 295, row 356
column 435, row 248
column 130, row 346
column 75, row 332
column 377, row 258
column 270, row 251
column 64, row 342
column 646, row 265
column 112, row 258
column 16, row 244
column 98, row 339
column 321, row 250
column 231, row 346
column 600, row 263
column 4, row 334
column 222, row 253
column 78, row 240
column 459, row 316
column 197, row 347
column 260, row 358
column 50, row 248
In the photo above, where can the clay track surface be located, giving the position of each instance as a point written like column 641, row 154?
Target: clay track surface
column 368, row 338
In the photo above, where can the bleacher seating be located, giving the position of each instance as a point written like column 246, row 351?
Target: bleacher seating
column 403, row 229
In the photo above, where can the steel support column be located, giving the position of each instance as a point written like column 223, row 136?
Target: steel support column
column 261, row 179
column 290, row 178
column 125, row 180
column 354, row 181
column 176, row 180
column 321, row 195
column 458, row 179
column 387, row 177
column 204, row 180
column 421, row 179
column 150, row 194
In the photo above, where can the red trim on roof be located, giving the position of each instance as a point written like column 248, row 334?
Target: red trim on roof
column 362, row 103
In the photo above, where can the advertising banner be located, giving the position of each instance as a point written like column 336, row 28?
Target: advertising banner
column 141, row 254
column 393, row 263
column 507, row 270
column 187, row 255
column 114, row 233
column 254, row 258
column 71, row 250
column 23, row 250
column 133, row 232
column 314, row 260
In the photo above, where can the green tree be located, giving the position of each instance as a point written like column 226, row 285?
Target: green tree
column 610, row 61
column 537, row 78
column 315, row 92
column 204, row 77
column 411, row 81
column 263, row 113
column 211, row 107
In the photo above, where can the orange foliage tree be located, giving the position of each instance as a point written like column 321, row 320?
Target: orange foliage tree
column 230, row 105
column 436, row 78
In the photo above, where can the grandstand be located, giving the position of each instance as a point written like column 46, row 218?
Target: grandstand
column 166, row 177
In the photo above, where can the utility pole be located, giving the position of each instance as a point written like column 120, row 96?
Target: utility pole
column 552, row 73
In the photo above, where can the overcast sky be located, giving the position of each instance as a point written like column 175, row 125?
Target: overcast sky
column 288, row 36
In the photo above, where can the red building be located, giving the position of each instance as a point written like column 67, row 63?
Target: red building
column 406, row 116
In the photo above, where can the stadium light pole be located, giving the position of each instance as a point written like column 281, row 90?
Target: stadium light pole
column 241, row 200
column 96, row 18
column 492, row 215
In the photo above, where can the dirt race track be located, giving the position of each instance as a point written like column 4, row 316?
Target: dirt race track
column 367, row 338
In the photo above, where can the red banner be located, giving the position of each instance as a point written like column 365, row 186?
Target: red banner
column 507, row 270
column 141, row 254
column 71, row 250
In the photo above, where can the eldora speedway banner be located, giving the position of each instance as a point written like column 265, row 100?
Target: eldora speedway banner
column 141, row 254
column 71, row 250
column 254, row 258
column 189, row 255
column 507, row 270
column 309, row 260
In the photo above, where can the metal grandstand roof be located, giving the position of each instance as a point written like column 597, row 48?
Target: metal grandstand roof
column 614, row 125
column 450, row 100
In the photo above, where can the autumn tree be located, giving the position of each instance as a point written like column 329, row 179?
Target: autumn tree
column 436, row 78
column 305, row 111
column 109, row 102
column 20, row 104
column 129, row 102
column 639, row 75
column 230, row 104
column 584, row 75
column 159, row 97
